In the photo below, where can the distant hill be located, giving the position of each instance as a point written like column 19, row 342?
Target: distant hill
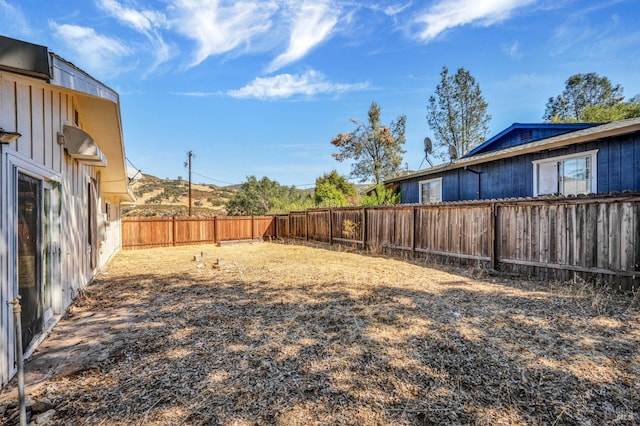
column 169, row 197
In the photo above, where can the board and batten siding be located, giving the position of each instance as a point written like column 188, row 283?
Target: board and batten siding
column 618, row 171
column 38, row 111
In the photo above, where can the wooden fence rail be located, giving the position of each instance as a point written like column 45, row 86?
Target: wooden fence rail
column 597, row 238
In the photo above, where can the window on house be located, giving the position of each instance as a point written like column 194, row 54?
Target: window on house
column 431, row 191
column 566, row 175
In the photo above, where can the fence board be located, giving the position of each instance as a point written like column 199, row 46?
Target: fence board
column 603, row 236
column 614, row 236
column 282, row 226
column 141, row 232
column 348, row 224
column 298, row 225
column 319, row 224
column 561, row 235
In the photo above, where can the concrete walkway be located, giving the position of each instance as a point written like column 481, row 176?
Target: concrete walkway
column 80, row 341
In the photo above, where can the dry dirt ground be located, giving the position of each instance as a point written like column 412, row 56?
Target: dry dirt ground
column 293, row 335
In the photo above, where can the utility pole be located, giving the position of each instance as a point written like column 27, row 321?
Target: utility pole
column 187, row 163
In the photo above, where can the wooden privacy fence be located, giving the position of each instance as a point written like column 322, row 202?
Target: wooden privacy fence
column 597, row 238
column 146, row 232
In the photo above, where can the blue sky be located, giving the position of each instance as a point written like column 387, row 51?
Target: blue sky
column 259, row 87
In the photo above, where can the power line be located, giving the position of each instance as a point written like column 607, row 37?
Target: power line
column 231, row 183
column 138, row 171
column 215, row 180
column 132, row 165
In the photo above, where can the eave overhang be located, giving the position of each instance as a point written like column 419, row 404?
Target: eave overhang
column 101, row 120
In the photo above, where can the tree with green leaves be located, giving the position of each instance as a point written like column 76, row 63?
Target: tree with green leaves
column 457, row 113
column 582, row 91
column 381, row 196
column 620, row 111
column 334, row 190
column 258, row 197
column 376, row 149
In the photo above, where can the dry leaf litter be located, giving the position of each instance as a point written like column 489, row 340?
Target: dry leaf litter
column 258, row 334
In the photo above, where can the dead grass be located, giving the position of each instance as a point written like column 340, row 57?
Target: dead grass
column 282, row 334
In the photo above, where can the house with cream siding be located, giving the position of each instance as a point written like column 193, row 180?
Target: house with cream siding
column 63, row 176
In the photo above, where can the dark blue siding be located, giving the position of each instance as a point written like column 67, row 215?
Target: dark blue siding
column 450, row 188
column 516, row 137
column 619, row 164
column 618, row 170
column 626, row 163
column 603, row 169
column 636, row 163
column 409, row 191
column 615, row 165
column 469, row 184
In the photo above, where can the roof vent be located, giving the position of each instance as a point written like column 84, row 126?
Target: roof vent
column 526, row 135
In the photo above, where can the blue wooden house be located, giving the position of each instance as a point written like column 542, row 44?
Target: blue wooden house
column 530, row 160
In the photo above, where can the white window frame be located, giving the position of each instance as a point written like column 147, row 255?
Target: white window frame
column 594, row 168
column 422, row 182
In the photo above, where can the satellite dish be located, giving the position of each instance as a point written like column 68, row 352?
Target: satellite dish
column 428, row 146
column 453, row 152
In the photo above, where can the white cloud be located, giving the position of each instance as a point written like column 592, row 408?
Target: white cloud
column 453, row 13
column 513, row 49
column 141, row 20
column 395, row 9
column 200, row 94
column 97, row 53
column 594, row 40
column 288, row 85
column 147, row 22
column 313, row 23
column 12, row 18
column 219, row 29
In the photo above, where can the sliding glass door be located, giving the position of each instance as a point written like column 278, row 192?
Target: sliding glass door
column 29, row 228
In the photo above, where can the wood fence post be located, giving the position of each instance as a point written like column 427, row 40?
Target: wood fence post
column 493, row 237
column 275, row 227
column 215, row 229
column 175, row 230
column 364, row 228
column 413, row 231
column 306, row 224
column 253, row 229
column 330, row 227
